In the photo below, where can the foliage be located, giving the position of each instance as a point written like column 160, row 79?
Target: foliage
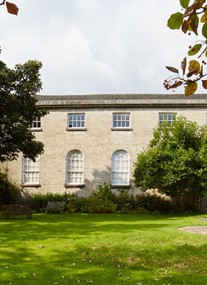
column 101, row 201
column 11, row 7
column 18, row 109
column 175, row 161
column 105, row 201
column 9, row 192
column 38, row 201
column 125, row 202
column 154, row 201
column 192, row 17
column 77, row 204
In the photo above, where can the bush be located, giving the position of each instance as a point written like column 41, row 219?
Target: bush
column 101, row 201
column 153, row 201
column 104, row 201
column 125, row 202
column 38, row 201
column 76, row 204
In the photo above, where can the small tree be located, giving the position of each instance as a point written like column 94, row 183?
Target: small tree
column 18, row 109
column 175, row 161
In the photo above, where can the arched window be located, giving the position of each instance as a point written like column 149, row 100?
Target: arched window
column 30, row 173
column 74, row 167
column 120, row 168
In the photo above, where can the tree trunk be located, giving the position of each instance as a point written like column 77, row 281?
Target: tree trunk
column 182, row 202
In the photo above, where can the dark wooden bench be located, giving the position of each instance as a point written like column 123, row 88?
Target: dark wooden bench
column 17, row 209
column 55, row 207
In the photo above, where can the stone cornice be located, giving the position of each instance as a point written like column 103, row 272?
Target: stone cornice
column 123, row 101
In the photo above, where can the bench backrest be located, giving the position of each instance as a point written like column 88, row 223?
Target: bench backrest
column 17, row 207
column 55, row 205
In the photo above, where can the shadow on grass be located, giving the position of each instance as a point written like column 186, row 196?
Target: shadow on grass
column 98, row 249
column 77, row 225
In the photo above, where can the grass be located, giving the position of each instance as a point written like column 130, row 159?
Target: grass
column 102, row 249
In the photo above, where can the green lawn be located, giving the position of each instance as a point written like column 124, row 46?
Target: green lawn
column 102, row 249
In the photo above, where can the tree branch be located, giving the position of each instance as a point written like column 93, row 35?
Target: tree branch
column 3, row 2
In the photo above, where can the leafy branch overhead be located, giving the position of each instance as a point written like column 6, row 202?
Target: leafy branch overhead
column 191, row 71
column 11, row 7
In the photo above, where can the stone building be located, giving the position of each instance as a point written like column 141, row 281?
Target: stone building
column 92, row 139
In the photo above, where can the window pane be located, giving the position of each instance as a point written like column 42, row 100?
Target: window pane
column 76, row 120
column 121, row 121
column 36, row 123
column 30, row 171
column 120, row 168
column 74, row 167
column 170, row 118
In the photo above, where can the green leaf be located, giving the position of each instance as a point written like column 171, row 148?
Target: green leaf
column 194, row 24
column 175, row 21
column 204, row 30
column 191, row 88
column 184, row 3
column 195, row 49
column 204, row 17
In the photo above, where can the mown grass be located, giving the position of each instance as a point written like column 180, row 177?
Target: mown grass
column 102, row 249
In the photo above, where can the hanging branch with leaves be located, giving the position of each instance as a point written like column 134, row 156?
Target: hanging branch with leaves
column 11, row 7
column 191, row 71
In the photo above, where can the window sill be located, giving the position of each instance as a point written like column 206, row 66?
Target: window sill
column 36, row 129
column 121, row 186
column 75, row 129
column 122, row 129
column 31, row 185
column 74, row 185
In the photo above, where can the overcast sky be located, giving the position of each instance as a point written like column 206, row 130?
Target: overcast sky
column 95, row 46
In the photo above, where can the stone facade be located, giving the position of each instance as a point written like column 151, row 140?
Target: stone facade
column 98, row 140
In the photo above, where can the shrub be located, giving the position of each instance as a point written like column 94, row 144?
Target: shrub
column 38, row 201
column 124, row 201
column 76, row 204
column 96, row 205
column 154, row 201
column 102, row 201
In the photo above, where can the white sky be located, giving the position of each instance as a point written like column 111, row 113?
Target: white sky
column 95, row 46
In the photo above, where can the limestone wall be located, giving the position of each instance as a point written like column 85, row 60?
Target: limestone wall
column 97, row 143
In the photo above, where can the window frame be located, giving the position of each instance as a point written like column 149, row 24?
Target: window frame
column 73, row 125
column 77, row 174
column 36, row 124
column 30, row 172
column 120, row 176
column 170, row 121
column 120, row 121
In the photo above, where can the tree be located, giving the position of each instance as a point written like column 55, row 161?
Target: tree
column 192, row 17
column 18, row 109
column 175, row 162
column 11, row 7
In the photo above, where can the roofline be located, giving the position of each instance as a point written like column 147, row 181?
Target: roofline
column 122, row 101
